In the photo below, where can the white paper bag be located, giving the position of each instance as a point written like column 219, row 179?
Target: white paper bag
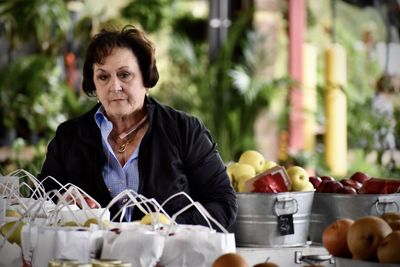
column 10, row 254
column 195, row 245
column 140, row 247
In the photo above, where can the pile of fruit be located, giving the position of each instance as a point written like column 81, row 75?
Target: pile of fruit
column 236, row 260
column 252, row 173
column 357, row 183
column 369, row 238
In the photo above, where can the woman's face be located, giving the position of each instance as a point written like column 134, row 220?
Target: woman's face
column 119, row 83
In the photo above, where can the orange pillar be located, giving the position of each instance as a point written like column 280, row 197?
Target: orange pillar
column 297, row 23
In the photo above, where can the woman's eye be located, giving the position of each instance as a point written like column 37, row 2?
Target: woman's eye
column 125, row 76
column 102, row 77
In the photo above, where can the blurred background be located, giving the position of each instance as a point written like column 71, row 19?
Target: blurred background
column 311, row 83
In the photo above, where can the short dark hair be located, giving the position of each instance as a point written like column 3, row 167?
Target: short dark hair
column 129, row 37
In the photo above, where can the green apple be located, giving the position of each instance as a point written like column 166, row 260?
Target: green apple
column 298, row 177
column 253, row 158
column 147, row 219
column 15, row 237
column 269, row 164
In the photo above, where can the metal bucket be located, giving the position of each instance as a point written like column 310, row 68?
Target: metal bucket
column 257, row 221
column 327, row 207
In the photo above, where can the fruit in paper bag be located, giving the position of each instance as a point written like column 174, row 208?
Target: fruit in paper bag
column 70, row 223
column 298, row 177
column 334, row 238
column 90, row 221
column 15, row 237
column 365, row 235
column 12, row 213
column 389, row 248
column 157, row 218
column 253, row 158
column 230, row 260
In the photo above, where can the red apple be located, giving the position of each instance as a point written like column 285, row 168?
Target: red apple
column 346, row 190
column 327, row 177
column 328, row 186
column 353, row 183
column 315, row 180
column 360, row 177
column 388, row 250
column 365, row 235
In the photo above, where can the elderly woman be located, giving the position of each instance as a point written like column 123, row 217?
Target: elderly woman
column 131, row 141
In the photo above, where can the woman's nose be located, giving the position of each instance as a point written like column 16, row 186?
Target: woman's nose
column 115, row 85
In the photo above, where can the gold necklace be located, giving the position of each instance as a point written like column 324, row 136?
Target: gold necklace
column 123, row 146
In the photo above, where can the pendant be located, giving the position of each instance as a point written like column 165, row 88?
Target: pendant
column 122, row 148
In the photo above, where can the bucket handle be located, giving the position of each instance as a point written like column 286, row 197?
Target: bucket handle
column 285, row 200
column 383, row 201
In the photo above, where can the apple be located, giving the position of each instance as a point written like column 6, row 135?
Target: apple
column 15, row 236
column 242, row 170
column 90, row 221
column 328, row 186
column 298, row 177
column 327, row 177
column 359, row 177
column 253, row 158
column 268, row 164
column 388, row 250
column 155, row 218
column 334, row 237
column 353, row 183
column 231, row 260
column 365, row 235
column 307, row 186
column 230, row 170
column 315, row 180
column 70, row 223
column 266, row 264
column 390, row 216
column 395, row 225
column 346, row 190
column 241, row 182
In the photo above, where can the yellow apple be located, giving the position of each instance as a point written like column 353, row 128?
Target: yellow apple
column 15, row 237
column 307, row 186
column 253, row 158
column 70, row 223
column 242, row 170
column 298, row 177
column 241, row 183
column 269, row 165
column 231, row 169
column 152, row 216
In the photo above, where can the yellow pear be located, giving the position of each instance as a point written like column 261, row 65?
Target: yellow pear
column 147, row 219
column 253, row 158
column 90, row 221
column 15, row 237
column 269, row 164
column 12, row 213
column 242, row 170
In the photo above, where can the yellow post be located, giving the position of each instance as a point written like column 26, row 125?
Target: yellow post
column 309, row 95
column 336, row 110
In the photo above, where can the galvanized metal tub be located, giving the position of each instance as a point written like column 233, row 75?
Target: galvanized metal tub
column 327, row 207
column 257, row 221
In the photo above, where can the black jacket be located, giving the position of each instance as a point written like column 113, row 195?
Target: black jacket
column 176, row 154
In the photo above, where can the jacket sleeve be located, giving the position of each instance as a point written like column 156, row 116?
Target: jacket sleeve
column 209, row 182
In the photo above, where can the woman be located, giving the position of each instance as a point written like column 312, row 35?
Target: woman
column 131, row 141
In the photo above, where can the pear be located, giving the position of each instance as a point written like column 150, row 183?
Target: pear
column 147, row 219
column 253, row 158
column 15, row 237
